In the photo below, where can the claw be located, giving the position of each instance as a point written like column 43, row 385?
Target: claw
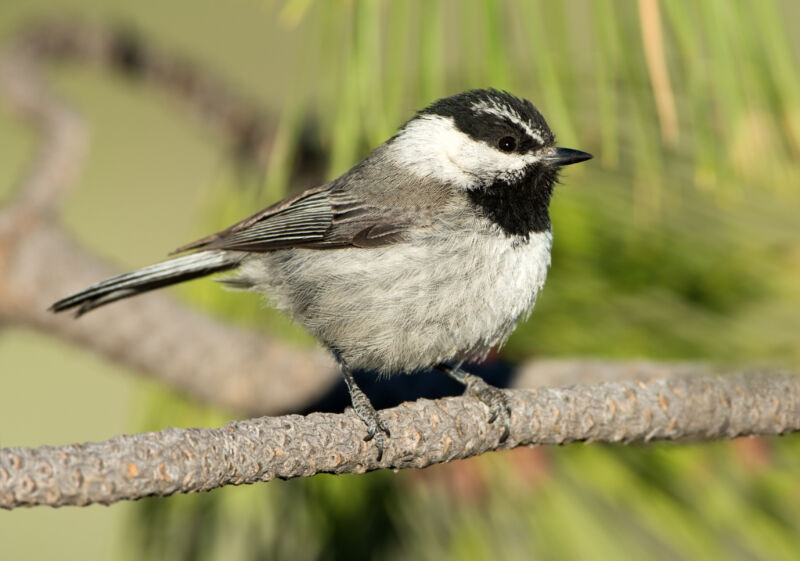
column 380, row 443
column 494, row 398
column 497, row 402
column 376, row 429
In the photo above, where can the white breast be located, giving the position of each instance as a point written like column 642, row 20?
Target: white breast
column 408, row 306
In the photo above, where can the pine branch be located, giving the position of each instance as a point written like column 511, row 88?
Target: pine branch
column 423, row 433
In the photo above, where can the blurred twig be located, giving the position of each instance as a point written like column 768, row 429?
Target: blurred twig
column 39, row 261
column 423, row 433
column 653, row 40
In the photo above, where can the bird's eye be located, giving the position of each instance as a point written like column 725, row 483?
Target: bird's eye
column 507, row 144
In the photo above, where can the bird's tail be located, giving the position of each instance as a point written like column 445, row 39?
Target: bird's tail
column 155, row 276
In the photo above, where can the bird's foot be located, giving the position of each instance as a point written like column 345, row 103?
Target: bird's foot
column 376, row 427
column 493, row 397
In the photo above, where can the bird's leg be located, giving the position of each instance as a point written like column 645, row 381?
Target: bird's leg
column 494, row 398
column 376, row 428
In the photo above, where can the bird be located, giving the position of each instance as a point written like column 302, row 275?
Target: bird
column 423, row 256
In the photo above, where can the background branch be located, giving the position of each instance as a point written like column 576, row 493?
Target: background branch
column 214, row 362
column 423, row 432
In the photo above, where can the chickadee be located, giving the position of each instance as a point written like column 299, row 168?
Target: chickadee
column 425, row 255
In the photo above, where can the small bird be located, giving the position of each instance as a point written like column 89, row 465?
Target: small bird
column 424, row 255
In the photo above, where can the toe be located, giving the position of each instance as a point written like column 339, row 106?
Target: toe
column 495, row 412
column 380, row 444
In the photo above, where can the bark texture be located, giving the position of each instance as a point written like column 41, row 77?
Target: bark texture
column 423, row 433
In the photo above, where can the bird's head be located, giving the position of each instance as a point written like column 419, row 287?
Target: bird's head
column 495, row 147
column 478, row 138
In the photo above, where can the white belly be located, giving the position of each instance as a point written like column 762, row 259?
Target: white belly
column 407, row 307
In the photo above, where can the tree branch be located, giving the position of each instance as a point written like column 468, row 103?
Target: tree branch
column 423, row 433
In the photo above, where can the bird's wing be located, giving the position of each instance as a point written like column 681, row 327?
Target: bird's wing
column 317, row 218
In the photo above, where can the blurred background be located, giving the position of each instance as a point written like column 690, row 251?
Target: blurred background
column 680, row 241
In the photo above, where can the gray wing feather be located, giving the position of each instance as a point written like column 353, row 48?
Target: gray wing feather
column 318, row 218
column 303, row 222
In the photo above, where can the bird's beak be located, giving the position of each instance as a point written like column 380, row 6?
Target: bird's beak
column 566, row 156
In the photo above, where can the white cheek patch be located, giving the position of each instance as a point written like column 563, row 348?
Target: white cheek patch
column 431, row 146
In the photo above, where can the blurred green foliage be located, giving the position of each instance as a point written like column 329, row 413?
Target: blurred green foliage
column 679, row 241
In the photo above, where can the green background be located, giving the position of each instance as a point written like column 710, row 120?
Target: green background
column 664, row 250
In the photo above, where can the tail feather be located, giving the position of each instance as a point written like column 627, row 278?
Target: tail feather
column 149, row 278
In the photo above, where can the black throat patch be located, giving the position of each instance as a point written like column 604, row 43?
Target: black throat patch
column 518, row 207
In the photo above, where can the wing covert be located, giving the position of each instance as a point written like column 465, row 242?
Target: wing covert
column 317, row 218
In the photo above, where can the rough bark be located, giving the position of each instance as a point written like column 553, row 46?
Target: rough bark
column 423, row 432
